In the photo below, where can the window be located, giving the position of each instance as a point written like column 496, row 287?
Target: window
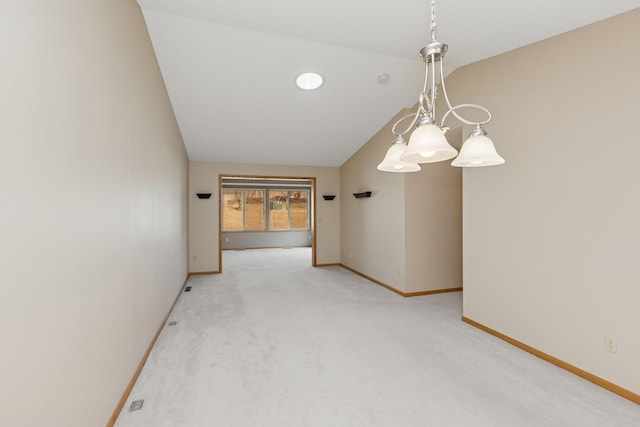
column 242, row 210
column 278, row 210
column 254, row 209
column 289, row 210
column 246, row 210
column 299, row 209
column 232, row 212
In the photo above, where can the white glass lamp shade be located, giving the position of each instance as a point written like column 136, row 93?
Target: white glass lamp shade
column 428, row 144
column 478, row 151
column 392, row 162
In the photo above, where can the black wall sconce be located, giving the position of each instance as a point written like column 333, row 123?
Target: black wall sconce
column 203, row 195
column 362, row 195
column 328, row 196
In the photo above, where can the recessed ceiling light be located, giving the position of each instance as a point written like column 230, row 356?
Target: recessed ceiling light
column 309, row 81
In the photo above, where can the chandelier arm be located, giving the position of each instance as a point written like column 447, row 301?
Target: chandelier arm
column 452, row 110
column 433, row 85
column 423, row 100
column 411, row 126
column 444, row 87
column 423, row 96
column 425, row 84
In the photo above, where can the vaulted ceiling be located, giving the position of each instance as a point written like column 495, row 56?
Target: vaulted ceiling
column 230, row 65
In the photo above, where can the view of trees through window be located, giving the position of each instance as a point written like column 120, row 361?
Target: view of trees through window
column 254, row 209
column 298, row 206
column 232, row 212
column 279, row 209
column 245, row 209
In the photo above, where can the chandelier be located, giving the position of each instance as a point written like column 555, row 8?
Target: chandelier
column 427, row 143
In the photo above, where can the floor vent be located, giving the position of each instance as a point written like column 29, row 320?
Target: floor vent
column 187, row 289
column 136, row 405
column 172, row 323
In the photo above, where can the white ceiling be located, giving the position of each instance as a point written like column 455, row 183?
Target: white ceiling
column 230, row 65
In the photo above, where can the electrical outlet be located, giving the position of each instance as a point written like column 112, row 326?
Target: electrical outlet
column 611, row 344
column 350, row 255
column 226, row 240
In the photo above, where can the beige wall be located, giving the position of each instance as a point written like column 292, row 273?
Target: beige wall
column 93, row 178
column 204, row 214
column 551, row 237
column 372, row 238
column 433, row 221
column 389, row 237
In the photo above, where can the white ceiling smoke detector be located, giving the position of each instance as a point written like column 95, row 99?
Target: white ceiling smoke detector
column 384, row 78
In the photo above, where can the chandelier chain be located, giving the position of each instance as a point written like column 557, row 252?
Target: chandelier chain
column 433, row 24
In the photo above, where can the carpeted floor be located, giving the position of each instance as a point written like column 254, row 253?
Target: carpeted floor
column 273, row 342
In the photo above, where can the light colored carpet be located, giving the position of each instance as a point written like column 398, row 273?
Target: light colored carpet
column 273, row 342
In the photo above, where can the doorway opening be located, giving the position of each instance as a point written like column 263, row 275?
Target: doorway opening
column 258, row 212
